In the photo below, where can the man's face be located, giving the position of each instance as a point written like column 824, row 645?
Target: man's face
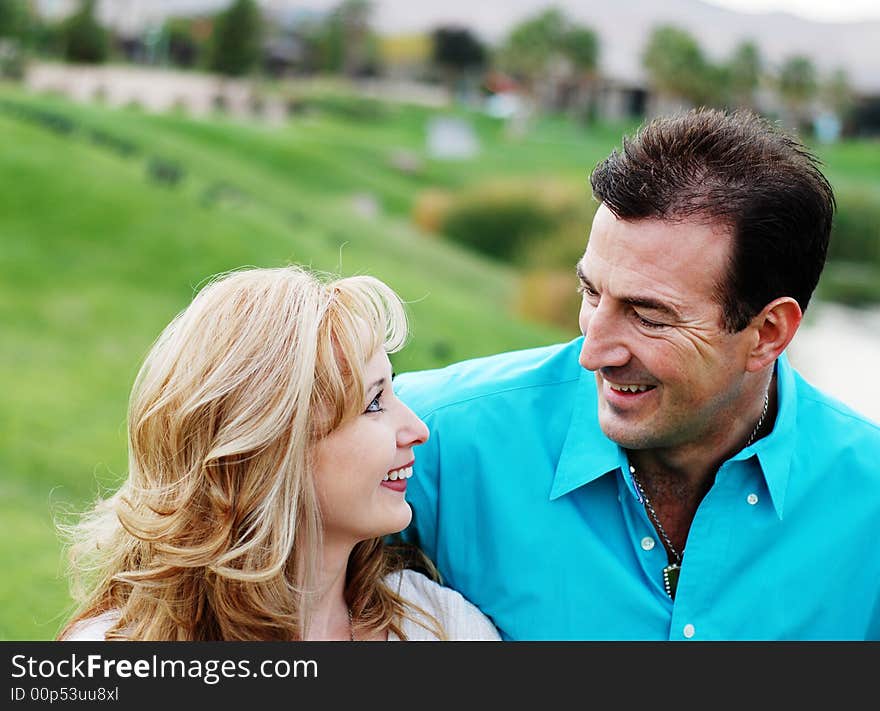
column 667, row 372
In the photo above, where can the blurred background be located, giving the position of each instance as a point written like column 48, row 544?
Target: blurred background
column 444, row 147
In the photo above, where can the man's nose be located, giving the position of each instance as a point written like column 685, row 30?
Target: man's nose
column 604, row 344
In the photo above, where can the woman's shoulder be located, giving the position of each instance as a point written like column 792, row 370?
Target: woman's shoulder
column 92, row 629
column 460, row 618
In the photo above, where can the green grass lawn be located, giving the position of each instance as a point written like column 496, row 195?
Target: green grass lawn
column 97, row 257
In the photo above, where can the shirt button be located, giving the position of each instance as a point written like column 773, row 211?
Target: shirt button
column 689, row 631
column 647, row 543
column 752, row 499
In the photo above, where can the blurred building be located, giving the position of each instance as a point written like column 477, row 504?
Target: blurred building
column 623, row 27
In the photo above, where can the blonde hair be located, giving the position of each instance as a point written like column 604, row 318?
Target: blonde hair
column 216, row 533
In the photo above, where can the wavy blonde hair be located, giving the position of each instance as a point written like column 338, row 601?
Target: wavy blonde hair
column 216, row 533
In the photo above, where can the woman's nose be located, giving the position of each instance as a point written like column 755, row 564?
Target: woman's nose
column 413, row 431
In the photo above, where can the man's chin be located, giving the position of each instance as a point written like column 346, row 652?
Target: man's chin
column 626, row 434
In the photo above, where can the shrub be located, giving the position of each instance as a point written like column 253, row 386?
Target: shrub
column 508, row 220
column 855, row 235
column 234, row 49
column 497, row 225
column 165, row 172
column 850, row 283
column 549, row 296
column 350, row 108
column 564, row 247
column 12, row 59
column 83, row 38
column 430, row 209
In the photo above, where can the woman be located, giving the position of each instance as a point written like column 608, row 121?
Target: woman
column 268, row 458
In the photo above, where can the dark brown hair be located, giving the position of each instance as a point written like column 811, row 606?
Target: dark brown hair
column 736, row 169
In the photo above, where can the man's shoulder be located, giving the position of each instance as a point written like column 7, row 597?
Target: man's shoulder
column 822, row 411
column 428, row 390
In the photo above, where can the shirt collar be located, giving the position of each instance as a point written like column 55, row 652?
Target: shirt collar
column 588, row 454
column 776, row 451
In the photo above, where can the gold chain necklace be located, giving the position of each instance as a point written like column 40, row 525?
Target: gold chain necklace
column 672, row 571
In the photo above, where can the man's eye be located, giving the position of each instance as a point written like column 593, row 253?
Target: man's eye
column 648, row 323
column 374, row 405
column 588, row 290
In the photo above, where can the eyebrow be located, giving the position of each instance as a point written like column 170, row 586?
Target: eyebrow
column 645, row 302
column 379, row 383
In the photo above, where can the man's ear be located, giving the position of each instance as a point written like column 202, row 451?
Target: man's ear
column 774, row 328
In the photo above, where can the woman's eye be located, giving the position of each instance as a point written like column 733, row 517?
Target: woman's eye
column 374, row 405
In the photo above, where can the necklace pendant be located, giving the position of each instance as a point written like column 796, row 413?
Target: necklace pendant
column 670, row 578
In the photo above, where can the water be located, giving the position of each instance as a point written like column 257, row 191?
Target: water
column 838, row 350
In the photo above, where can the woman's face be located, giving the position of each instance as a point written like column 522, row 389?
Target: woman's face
column 362, row 467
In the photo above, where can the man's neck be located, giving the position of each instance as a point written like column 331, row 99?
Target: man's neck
column 676, row 479
column 690, row 468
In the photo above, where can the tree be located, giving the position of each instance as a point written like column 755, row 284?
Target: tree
column 184, row 48
column 531, row 44
column 344, row 41
column 580, row 45
column 744, row 74
column 455, row 50
column 236, row 43
column 677, row 67
column 797, row 85
column 14, row 30
column 83, row 38
column 548, row 51
column 837, row 94
column 13, row 19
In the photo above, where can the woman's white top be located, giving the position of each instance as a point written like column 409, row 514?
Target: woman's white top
column 460, row 619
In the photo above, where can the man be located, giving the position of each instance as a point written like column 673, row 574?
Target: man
column 669, row 475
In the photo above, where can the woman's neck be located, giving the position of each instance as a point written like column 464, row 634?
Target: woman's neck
column 329, row 619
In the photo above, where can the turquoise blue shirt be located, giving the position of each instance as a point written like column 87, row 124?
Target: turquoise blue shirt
column 530, row 512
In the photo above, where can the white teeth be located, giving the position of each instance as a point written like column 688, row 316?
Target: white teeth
column 630, row 388
column 404, row 473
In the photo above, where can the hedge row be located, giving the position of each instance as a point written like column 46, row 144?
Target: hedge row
column 542, row 225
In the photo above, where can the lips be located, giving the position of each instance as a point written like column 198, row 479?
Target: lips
column 396, row 485
column 626, row 393
column 396, row 478
column 630, row 388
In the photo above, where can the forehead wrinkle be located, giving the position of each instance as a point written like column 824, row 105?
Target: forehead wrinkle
column 651, row 304
column 644, row 301
column 657, row 272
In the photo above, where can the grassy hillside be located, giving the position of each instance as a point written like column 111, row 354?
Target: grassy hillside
column 110, row 219
column 99, row 251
